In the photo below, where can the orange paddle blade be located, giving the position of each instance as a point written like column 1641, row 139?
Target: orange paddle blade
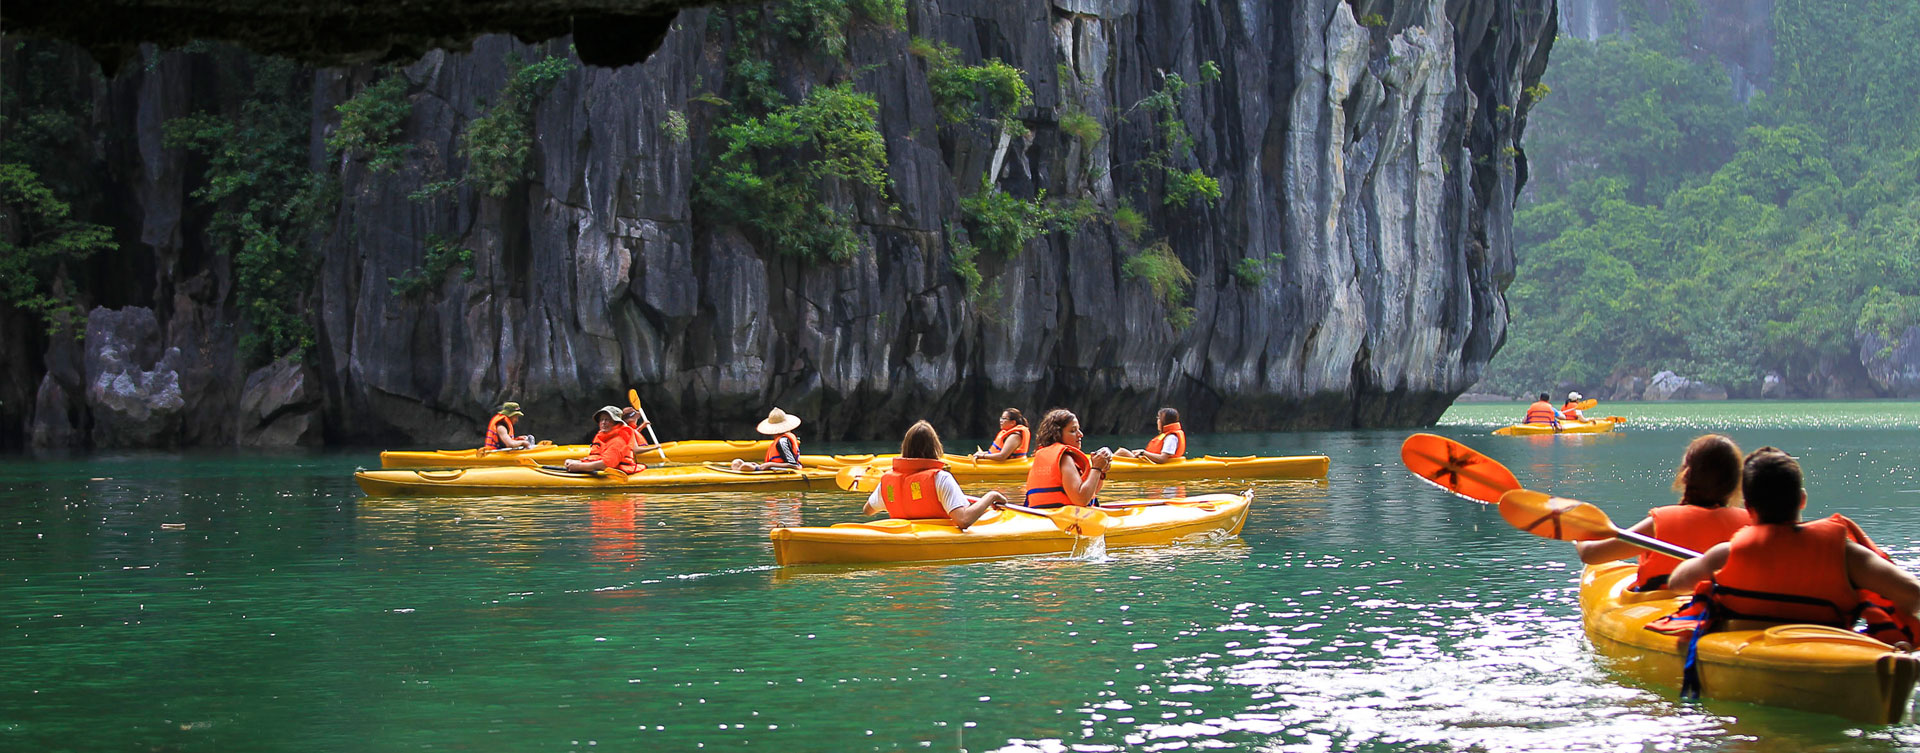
column 1553, row 517
column 1457, row 468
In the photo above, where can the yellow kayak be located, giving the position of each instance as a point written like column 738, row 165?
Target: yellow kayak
column 689, row 451
column 964, row 468
column 1008, row 533
column 1806, row 667
column 521, row 479
column 1596, row 426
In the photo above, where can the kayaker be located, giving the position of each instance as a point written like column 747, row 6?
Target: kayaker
column 630, row 418
column 612, row 446
column 1542, row 412
column 1013, row 440
column 784, row 453
column 1708, row 513
column 500, row 434
column 919, row 486
column 1779, row 570
column 1062, row 474
column 1571, row 410
column 1170, row 444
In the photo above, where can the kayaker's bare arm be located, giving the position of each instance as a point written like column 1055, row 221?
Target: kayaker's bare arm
column 1869, row 571
column 967, row 514
column 1699, row 568
column 1000, row 454
column 1608, row 550
column 1079, row 488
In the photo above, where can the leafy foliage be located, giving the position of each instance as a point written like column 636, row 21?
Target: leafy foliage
column 498, row 143
column 371, row 120
column 1083, row 127
column 47, row 236
column 1167, row 276
column 1004, row 223
column 1176, row 145
column 959, row 89
column 675, row 126
column 1252, row 272
column 1129, row 222
column 442, row 257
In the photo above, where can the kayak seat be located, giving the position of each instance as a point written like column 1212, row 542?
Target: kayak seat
column 446, row 475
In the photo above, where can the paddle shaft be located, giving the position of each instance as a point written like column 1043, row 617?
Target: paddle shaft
column 1652, row 544
column 633, row 396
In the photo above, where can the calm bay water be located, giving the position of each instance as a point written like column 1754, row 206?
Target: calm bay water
column 223, row 602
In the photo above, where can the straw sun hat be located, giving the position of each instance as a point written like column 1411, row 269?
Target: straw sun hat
column 778, row 422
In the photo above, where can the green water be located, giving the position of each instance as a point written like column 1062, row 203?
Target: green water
column 224, row 603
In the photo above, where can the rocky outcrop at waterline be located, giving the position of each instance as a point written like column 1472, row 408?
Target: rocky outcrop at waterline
column 1349, row 272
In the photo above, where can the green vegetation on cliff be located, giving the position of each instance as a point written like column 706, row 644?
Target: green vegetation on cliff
column 1669, row 226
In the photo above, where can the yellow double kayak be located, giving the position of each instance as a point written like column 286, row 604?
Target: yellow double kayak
column 1806, row 667
column 1596, row 426
column 690, row 451
column 964, row 468
column 1010, row 533
column 521, row 479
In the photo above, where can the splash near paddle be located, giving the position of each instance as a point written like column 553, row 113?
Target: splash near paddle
column 1457, row 468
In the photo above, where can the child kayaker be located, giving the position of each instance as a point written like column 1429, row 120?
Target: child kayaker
column 1708, row 512
column 784, row 453
column 1062, row 474
column 1170, row 444
column 919, row 487
column 1013, row 440
column 612, row 446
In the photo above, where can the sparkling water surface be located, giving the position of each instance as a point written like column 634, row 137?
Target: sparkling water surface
column 231, row 602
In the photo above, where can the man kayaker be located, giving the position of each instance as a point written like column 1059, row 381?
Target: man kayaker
column 612, row 446
column 1542, row 412
column 500, row 434
column 1062, row 474
column 1169, row 444
column 1013, row 440
column 1779, row 570
column 918, row 486
column 1571, row 411
column 1708, row 513
column 784, row 453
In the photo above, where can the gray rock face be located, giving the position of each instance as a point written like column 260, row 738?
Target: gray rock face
column 279, row 407
column 133, row 389
column 1367, row 169
column 1667, row 385
column 1893, row 365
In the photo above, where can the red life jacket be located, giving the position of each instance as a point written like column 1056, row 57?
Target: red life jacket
column 1045, row 488
column 1172, row 429
column 773, row 450
column 492, row 442
column 1540, row 413
column 1004, row 436
column 614, row 447
column 908, row 489
column 1786, row 572
column 1691, row 526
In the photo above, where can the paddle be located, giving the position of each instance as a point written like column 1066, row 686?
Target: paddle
column 1586, row 404
column 1565, row 519
column 1459, row 469
column 633, row 398
column 855, row 478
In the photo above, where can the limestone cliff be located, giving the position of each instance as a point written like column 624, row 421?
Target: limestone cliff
column 1367, row 155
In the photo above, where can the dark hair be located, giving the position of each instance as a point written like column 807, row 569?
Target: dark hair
column 1771, row 483
column 1709, row 471
column 1018, row 418
column 921, row 441
column 1169, row 416
column 1053, row 427
column 1543, row 397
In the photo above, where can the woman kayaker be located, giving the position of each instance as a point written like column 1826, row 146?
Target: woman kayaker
column 1708, row 513
column 1170, row 444
column 1781, row 571
column 1062, row 474
column 784, row 453
column 612, row 446
column 919, row 486
column 500, row 434
column 1012, row 441
column 1571, row 410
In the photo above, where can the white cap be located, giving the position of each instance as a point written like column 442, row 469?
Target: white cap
column 1575, row 396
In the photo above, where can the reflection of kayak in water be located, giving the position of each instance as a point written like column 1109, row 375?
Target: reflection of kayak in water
column 1596, row 426
column 1807, row 667
column 688, row 451
column 1010, row 533
column 679, row 478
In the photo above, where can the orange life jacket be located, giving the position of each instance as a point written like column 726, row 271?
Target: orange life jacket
column 635, row 440
column 1004, row 437
column 1172, row 429
column 773, row 450
column 1883, row 619
column 615, row 448
column 1045, row 488
column 1540, row 413
column 493, row 437
column 908, row 489
column 1691, row 526
column 1570, row 412
column 1786, row 572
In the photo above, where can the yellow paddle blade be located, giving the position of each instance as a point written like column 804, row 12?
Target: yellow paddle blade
column 1456, row 468
column 1586, row 404
column 857, row 478
column 633, row 398
column 1079, row 521
column 1553, row 517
